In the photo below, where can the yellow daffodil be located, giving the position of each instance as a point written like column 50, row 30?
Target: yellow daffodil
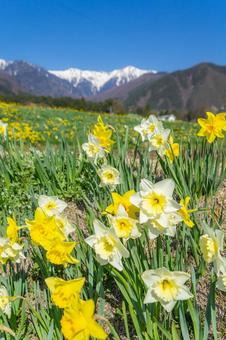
column 213, row 126
column 60, row 253
column 51, row 205
column 3, row 129
column 12, row 230
column 103, row 134
column 62, row 292
column 78, row 322
column 173, row 150
column 44, row 229
column 185, row 212
column 123, row 200
column 211, row 243
column 166, row 287
column 5, row 305
column 109, row 176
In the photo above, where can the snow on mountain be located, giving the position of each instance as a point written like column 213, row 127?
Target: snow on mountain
column 3, row 64
column 99, row 79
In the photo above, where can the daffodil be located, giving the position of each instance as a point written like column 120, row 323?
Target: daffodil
column 109, row 176
column 60, row 253
column 164, row 225
column 12, row 230
column 221, row 282
column 213, row 126
column 172, row 150
column 44, row 229
column 10, row 251
column 166, row 287
column 103, row 133
column 107, row 246
column 78, row 322
column 93, row 149
column 3, row 129
column 155, row 199
column 185, row 212
column 148, row 127
column 62, row 292
column 5, row 304
column 159, row 140
column 211, row 244
column 51, row 205
column 123, row 200
column 124, row 226
column 64, row 225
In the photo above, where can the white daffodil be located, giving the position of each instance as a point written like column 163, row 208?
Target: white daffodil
column 93, row 148
column 164, row 225
column 211, row 244
column 221, row 276
column 124, row 226
column 3, row 129
column 10, row 251
column 109, row 176
column 107, row 246
column 148, row 127
column 51, row 205
column 159, row 141
column 64, row 225
column 155, row 199
column 166, row 287
column 5, row 304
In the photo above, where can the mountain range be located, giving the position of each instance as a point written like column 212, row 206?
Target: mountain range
column 200, row 87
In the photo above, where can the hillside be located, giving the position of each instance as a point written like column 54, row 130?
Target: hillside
column 200, row 87
column 9, row 86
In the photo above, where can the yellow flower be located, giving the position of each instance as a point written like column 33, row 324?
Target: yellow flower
column 12, row 230
column 62, row 292
column 44, row 229
column 212, row 126
column 185, row 212
column 103, row 134
column 123, row 200
column 166, row 286
column 78, row 322
column 173, row 150
column 211, row 243
column 60, row 253
column 3, row 129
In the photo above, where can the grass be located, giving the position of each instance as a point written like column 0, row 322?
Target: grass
column 55, row 165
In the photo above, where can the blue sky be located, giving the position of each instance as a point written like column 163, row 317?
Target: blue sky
column 104, row 35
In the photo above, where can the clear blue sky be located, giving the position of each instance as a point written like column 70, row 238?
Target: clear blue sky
column 108, row 34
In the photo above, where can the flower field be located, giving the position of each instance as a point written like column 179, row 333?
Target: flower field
column 112, row 227
column 53, row 124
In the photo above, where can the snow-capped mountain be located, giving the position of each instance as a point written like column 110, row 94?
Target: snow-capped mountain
column 100, row 81
column 3, row 64
column 72, row 82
